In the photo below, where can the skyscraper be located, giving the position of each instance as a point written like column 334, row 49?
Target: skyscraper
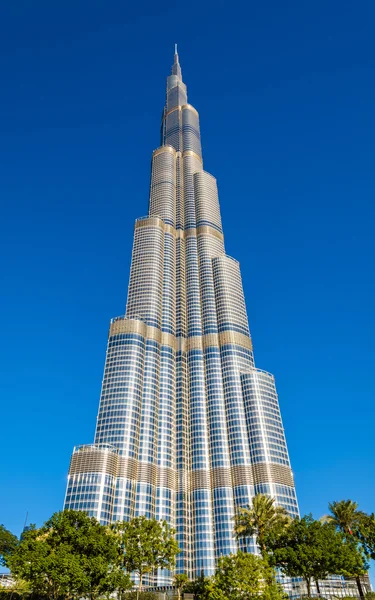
column 188, row 429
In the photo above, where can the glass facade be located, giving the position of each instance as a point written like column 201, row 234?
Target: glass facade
column 188, row 428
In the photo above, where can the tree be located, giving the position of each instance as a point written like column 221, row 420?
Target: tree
column 366, row 535
column 17, row 589
column 71, row 556
column 259, row 519
column 236, row 578
column 8, row 543
column 212, row 592
column 56, row 573
column 240, row 575
column 199, row 587
column 147, row 544
column 312, row 550
column 346, row 517
column 180, row 581
column 274, row 591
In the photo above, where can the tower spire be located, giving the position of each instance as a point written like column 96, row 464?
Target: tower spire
column 176, row 69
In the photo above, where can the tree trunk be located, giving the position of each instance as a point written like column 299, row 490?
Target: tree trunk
column 317, row 586
column 262, row 548
column 308, row 585
column 139, row 588
column 359, row 585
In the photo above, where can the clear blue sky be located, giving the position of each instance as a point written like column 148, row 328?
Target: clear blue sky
column 286, row 96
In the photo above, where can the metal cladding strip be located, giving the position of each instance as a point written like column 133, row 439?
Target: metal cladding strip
column 221, row 477
column 180, row 108
column 262, row 473
column 191, row 153
column 207, row 230
column 200, row 479
column 172, row 110
column 128, row 467
column 273, row 473
column 94, row 460
column 124, row 325
column 178, row 233
column 190, row 107
column 162, row 149
column 101, row 461
column 242, row 475
column 235, row 338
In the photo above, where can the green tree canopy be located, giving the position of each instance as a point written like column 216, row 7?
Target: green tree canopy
column 347, row 518
column 198, row 587
column 180, row 581
column 8, row 543
column 259, row 519
column 71, row 556
column 240, row 576
column 147, row 544
column 211, row 591
column 313, row 550
column 366, row 535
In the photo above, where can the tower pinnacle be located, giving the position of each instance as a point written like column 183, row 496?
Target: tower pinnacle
column 176, row 69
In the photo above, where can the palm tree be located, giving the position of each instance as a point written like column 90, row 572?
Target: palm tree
column 259, row 519
column 346, row 517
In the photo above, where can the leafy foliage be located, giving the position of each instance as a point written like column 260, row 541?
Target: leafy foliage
column 357, row 527
column 147, row 544
column 313, row 550
column 345, row 516
column 8, row 543
column 366, row 535
column 18, row 589
column 198, row 587
column 180, row 581
column 212, row 592
column 9, row 594
column 72, row 555
column 260, row 518
column 240, row 576
column 274, row 591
